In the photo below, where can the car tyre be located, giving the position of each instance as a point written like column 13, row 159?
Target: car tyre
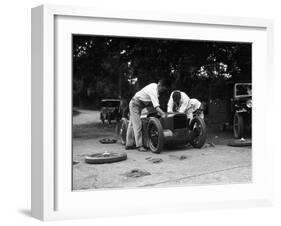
column 238, row 126
column 199, row 130
column 240, row 143
column 109, row 119
column 102, row 118
column 101, row 158
column 121, row 130
column 155, row 135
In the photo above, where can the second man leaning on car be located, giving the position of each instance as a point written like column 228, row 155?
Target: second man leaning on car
column 147, row 96
column 180, row 102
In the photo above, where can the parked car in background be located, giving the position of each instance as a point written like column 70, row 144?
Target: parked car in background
column 110, row 110
column 241, row 106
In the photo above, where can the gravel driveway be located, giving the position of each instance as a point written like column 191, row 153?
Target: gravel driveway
column 213, row 164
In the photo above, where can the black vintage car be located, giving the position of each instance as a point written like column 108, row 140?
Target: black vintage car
column 241, row 107
column 174, row 129
column 110, row 110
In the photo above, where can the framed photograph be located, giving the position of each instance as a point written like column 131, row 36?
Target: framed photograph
column 137, row 112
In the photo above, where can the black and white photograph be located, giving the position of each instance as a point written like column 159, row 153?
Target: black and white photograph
column 121, row 113
column 155, row 112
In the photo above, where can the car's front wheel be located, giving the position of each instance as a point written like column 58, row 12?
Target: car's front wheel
column 155, row 135
column 238, row 126
column 199, row 132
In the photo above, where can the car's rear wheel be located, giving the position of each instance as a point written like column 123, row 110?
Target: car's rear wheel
column 121, row 130
column 155, row 135
column 238, row 126
column 109, row 118
column 199, row 132
column 102, row 118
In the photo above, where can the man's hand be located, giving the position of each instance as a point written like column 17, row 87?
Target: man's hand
column 162, row 113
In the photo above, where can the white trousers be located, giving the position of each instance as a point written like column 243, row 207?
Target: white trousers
column 134, row 130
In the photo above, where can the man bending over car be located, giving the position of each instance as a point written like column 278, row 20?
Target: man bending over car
column 146, row 97
column 180, row 102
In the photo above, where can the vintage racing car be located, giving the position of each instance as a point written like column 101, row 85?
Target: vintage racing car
column 173, row 130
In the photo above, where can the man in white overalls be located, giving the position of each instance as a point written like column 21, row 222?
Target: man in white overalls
column 180, row 102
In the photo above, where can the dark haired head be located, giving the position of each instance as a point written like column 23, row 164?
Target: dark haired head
column 176, row 96
column 163, row 85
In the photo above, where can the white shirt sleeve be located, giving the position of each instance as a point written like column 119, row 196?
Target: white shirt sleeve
column 184, row 103
column 170, row 103
column 149, row 94
column 195, row 104
column 152, row 92
column 154, row 100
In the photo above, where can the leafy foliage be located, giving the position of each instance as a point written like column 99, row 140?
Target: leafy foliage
column 113, row 67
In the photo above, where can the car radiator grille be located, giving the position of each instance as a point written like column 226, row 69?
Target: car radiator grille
column 180, row 121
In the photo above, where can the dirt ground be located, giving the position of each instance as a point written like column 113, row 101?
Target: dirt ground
column 215, row 163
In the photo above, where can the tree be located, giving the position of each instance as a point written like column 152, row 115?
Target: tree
column 111, row 67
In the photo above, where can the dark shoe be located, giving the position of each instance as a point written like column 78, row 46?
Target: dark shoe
column 130, row 147
column 142, row 149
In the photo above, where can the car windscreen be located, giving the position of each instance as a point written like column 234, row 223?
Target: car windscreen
column 110, row 103
column 242, row 90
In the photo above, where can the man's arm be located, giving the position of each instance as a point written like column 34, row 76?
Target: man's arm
column 159, row 110
column 154, row 99
column 196, row 104
column 170, row 103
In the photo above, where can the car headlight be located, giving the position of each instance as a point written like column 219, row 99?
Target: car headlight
column 249, row 103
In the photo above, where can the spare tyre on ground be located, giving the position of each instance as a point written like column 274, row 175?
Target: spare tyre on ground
column 240, row 143
column 105, row 157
